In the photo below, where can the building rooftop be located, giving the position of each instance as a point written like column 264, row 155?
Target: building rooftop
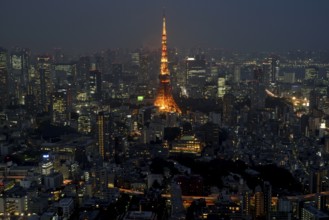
column 140, row 215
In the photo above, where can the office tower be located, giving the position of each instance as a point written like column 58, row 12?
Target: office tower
column 229, row 115
column 275, row 69
column 103, row 134
column 221, row 87
column 188, row 144
column 84, row 124
column 267, row 191
column 237, row 74
column 320, row 201
column 44, row 86
column 164, row 99
column 195, row 76
column 135, row 58
column 316, row 181
column 4, row 78
column 100, row 63
column 65, row 73
column 83, row 69
column 246, row 203
column 59, row 107
column 47, row 165
column 258, row 95
column 144, row 68
column 95, row 85
column 259, row 202
column 30, row 104
column 211, row 134
column 117, row 69
column 19, row 65
column 314, row 98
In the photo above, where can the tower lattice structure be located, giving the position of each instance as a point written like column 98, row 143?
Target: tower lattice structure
column 164, row 100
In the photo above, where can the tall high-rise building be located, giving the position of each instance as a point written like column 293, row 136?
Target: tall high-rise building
column 221, row 89
column 314, row 98
column 83, row 69
column 19, row 66
column 103, row 133
column 259, row 202
column 195, row 76
column 65, row 73
column 275, row 69
column 237, row 74
column 95, row 85
column 144, row 68
column 164, row 99
column 84, row 124
column 117, row 70
column 59, row 107
column 100, row 63
column 246, row 203
column 267, row 199
column 4, row 79
column 229, row 114
column 44, row 86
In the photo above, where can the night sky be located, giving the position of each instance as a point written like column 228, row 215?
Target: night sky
column 82, row 26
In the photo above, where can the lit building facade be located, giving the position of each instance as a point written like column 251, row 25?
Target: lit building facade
column 221, row 87
column 187, row 144
column 259, row 202
column 195, row 77
column 13, row 203
column 84, row 124
column 95, row 85
column 103, row 133
column 4, row 78
column 44, row 86
column 19, row 66
column 59, row 107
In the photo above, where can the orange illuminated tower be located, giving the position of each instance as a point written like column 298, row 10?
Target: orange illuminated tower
column 164, row 100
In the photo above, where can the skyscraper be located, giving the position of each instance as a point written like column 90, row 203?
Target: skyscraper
column 59, row 107
column 267, row 192
column 195, row 76
column 103, row 133
column 259, row 202
column 3, row 78
column 164, row 100
column 95, row 85
column 229, row 114
column 19, row 65
column 44, row 82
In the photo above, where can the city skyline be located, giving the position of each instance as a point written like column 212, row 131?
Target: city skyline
column 100, row 120
column 236, row 25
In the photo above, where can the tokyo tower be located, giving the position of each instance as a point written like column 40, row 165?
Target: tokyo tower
column 164, row 100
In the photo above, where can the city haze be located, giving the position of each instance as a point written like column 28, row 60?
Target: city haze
column 87, row 26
